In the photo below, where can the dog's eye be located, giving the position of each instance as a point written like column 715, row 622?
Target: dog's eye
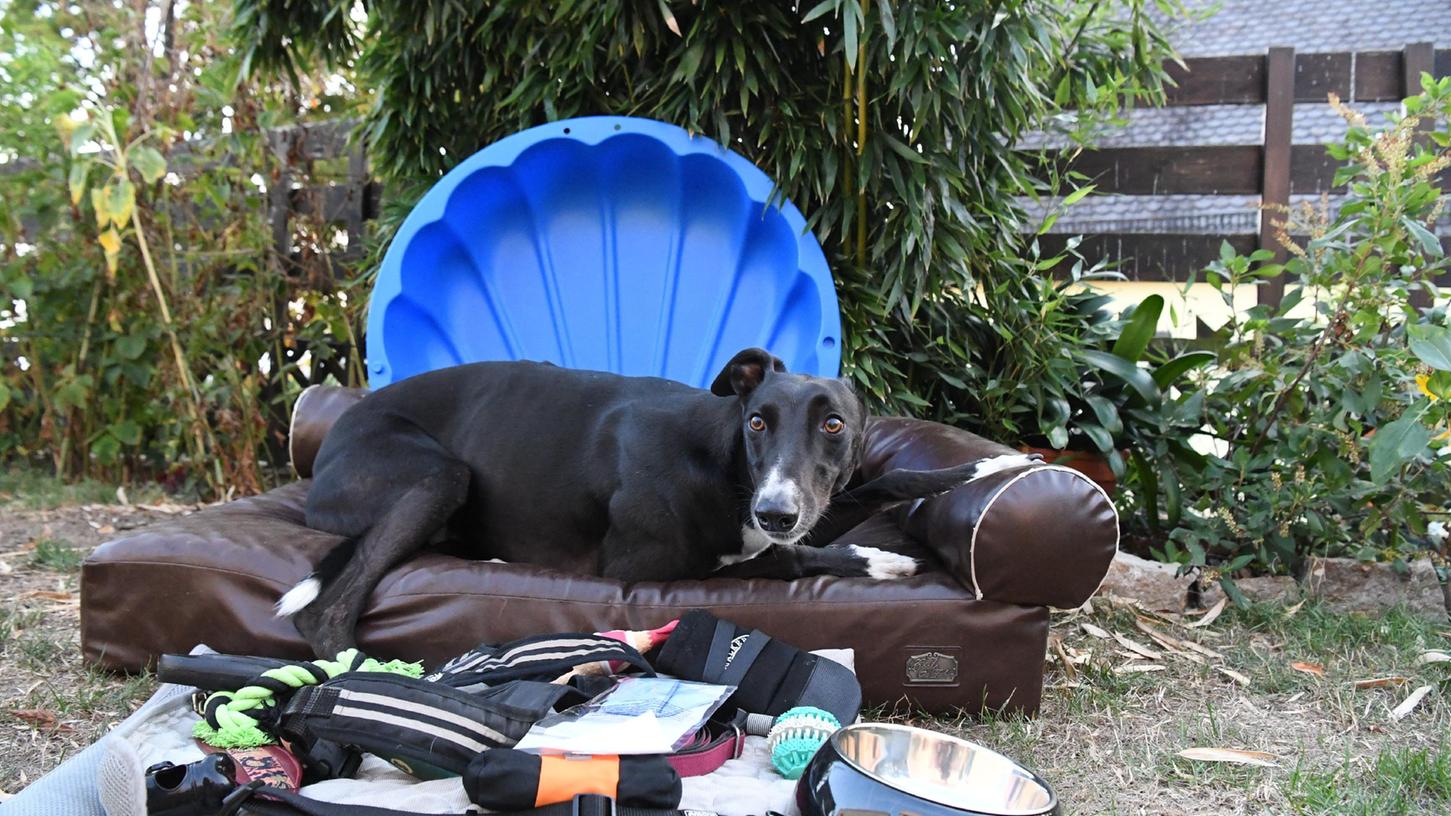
column 757, row 423
column 833, row 425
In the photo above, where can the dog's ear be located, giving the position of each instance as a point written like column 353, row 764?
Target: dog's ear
column 744, row 372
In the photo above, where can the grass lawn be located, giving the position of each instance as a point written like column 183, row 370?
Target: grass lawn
column 1119, row 707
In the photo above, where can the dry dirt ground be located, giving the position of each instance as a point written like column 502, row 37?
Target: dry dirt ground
column 1126, row 693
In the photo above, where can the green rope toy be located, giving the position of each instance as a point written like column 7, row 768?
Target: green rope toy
column 236, row 729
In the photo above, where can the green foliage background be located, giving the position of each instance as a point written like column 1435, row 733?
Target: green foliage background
column 890, row 124
column 90, row 384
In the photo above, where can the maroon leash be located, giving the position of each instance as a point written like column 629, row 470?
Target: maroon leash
column 711, row 747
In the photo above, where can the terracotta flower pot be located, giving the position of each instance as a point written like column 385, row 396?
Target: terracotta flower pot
column 1092, row 464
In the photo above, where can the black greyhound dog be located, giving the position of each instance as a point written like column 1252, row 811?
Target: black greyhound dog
column 634, row 478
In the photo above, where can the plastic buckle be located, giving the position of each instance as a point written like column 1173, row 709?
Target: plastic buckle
column 592, row 804
column 233, row 801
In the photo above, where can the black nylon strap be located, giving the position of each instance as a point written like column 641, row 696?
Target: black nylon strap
column 275, row 802
column 720, row 646
column 732, row 655
column 743, row 659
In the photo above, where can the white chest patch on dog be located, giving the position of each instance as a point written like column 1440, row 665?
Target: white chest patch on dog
column 753, row 543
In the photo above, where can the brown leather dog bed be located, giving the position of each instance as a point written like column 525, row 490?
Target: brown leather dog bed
column 970, row 633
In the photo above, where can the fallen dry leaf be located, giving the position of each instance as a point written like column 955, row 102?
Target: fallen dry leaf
column 1137, row 648
column 38, row 717
column 1232, row 674
column 1173, row 645
column 1204, row 650
column 48, row 595
column 1234, row 755
column 1433, row 656
column 1068, row 670
column 1381, row 682
column 167, row 508
column 1410, row 702
column 1291, row 610
column 1308, row 668
column 1096, row 631
column 1137, row 668
column 1210, row 616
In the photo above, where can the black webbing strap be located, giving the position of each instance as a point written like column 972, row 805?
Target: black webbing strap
column 275, row 802
column 731, row 655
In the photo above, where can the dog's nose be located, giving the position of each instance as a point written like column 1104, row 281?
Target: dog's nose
column 777, row 520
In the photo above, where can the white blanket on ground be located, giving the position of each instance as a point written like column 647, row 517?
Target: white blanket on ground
column 161, row 730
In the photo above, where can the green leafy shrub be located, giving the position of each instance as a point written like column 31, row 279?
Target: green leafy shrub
column 892, row 124
column 148, row 332
column 1323, row 428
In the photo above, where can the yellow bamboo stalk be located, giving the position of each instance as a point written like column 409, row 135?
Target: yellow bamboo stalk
column 861, row 146
column 182, row 365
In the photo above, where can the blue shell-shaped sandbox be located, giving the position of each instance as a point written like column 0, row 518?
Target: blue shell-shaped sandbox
column 605, row 243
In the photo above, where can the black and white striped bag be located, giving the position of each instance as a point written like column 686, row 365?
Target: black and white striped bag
column 542, row 658
column 486, row 698
column 426, row 729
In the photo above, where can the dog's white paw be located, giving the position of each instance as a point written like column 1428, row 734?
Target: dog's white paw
column 883, row 565
column 1011, row 461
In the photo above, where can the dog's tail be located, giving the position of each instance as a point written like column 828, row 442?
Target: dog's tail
column 306, row 591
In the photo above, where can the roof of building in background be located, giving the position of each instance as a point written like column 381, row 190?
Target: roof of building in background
column 1241, row 27
column 1252, row 26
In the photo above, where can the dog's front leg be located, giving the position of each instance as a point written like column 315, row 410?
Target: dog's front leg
column 855, row 506
column 792, row 561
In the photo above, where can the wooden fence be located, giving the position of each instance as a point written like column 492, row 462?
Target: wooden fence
column 345, row 199
column 1273, row 170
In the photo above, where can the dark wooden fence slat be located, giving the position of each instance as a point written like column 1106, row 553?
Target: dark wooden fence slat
column 1217, row 81
column 323, row 140
column 1150, row 256
column 1377, row 77
column 1221, row 169
column 1419, row 58
column 1319, row 75
column 1312, row 170
column 1275, row 190
column 279, row 195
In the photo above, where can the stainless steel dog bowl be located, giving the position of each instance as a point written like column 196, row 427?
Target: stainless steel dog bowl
column 899, row 770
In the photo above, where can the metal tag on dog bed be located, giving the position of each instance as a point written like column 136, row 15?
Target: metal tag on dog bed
column 931, row 668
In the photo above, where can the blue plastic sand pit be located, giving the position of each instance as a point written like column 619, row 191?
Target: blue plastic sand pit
column 605, row 243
